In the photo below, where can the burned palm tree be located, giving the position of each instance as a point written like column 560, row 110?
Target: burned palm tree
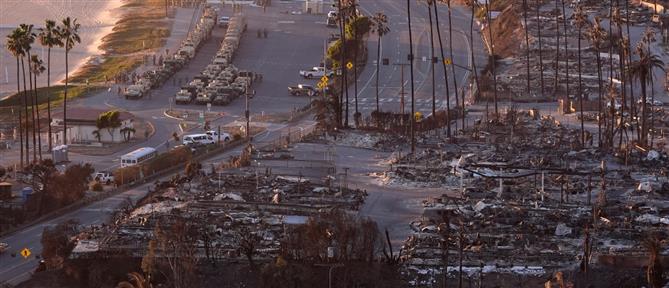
column 434, row 96
column 557, row 49
column 381, row 28
column 642, row 70
column 492, row 54
column 597, row 35
column 581, row 21
column 654, row 269
column 443, row 63
column 541, row 60
column 474, row 6
column 527, row 46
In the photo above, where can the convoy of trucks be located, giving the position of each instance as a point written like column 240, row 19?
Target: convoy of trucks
column 221, row 82
column 189, row 46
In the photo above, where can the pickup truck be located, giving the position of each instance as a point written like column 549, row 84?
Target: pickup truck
column 302, row 90
column 315, row 72
column 104, row 177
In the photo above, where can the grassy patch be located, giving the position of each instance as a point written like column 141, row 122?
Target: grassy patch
column 57, row 95
column 142, row 28
column 110, row 67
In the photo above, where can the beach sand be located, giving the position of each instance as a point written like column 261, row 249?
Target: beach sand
column 97, row 19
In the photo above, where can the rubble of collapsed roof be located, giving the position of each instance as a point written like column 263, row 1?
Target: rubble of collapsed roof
column 224, row 205
column 523, row 198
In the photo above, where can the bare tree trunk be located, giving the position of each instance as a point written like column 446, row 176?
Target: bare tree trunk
column 18, row 94
column 39, row 130
column 492, row 54
column 566, row 53
column 434, row 101
column 448, row 93
column 413, row 102
column 48, row 85
column 25, row 106
column 580, row 88
column 527, row 46
column 557, row 51
column 541, row 61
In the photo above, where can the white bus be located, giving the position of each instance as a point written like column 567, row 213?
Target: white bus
column 138, row 156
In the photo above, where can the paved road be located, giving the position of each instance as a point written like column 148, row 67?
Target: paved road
column 395, row 47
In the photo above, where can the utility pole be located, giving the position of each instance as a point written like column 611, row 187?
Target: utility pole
column 247, row 115
column 402, row 93
column 413, row 106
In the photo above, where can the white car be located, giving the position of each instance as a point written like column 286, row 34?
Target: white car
column 104, row 177
column 315, row 72
column 198, row 139
column 3, row 247
column 224, row 136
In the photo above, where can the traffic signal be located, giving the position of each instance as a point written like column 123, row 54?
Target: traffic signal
column 410, row 57
column 385, row 61
column 435, row 59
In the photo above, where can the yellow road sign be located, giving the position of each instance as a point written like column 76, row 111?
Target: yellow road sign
column 320, row 85
column 349, row 65
column 325, row 79
column 447, row 61
column 418, row 116
column 25, row 252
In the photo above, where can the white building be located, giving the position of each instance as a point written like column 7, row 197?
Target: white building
column 81, row 127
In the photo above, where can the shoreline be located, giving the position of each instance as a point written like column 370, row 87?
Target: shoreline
column 93, row 48
column 97, row 19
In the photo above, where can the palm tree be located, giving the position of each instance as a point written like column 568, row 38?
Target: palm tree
column 597, row 35
column 27, row 39
column 48, row 37
column 434, row 96
column 381, row 28
column 14, row 46
column 443, row 63
column 642, row 70
column 581, row 20
column 413, row 108
column 68, row 33
column 37, row 68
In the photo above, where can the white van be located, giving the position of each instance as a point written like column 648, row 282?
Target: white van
column 198, row 139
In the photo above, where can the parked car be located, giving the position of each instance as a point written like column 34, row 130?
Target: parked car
column 3, row 247
column 197, row 140
column 302, row 90
column 214, row 134
column 315, row 72
column 104, row 177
